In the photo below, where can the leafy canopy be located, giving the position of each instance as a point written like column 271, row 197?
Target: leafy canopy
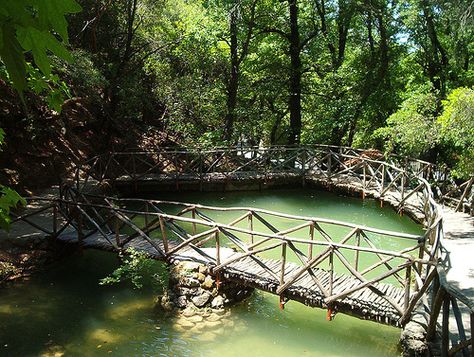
column 36, row 26
column 457, row 128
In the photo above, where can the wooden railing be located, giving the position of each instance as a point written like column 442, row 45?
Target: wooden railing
column 446, row 298
column 392, row 172
column 407, row 184
column 311, row 242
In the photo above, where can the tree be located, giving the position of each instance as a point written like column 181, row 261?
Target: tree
column 457, row 129
column 35, row 27
column 238, row 52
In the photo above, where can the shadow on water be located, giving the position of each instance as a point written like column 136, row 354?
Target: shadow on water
column 61, row 305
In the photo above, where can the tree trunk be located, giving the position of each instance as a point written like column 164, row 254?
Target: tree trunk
column 436, row 65
column 233, row 82
column 295, row 76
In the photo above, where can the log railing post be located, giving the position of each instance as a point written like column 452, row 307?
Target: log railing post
column 364, row 179
column 356, row 253
column 460, row 205
column 382, row 182
column 407, row 287
column 445, row 327
column 434, row 313
column 218, row 248
column 329, row 168
column 460, row 326
column 303, row 168
column 163, row 234
column 331, row 270
column 402, row 188
column 193, row 214
column 311, row 238
column 250, row 224
column 283, row 262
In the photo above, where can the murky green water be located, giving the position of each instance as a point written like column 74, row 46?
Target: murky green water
column 66, row 312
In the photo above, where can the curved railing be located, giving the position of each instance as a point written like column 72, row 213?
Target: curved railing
column 228, row 163
column 406, row 184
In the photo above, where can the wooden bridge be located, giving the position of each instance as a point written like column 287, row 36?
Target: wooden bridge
column 345, row 270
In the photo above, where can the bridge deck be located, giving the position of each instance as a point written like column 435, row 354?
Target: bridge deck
column 363, row 303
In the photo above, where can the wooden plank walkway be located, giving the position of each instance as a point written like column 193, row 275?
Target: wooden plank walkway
column 458, row 257
column 364, row 303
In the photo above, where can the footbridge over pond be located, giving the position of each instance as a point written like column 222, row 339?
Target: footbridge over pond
column 306, row 260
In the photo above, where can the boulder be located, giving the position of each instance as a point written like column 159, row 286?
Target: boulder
column 201, row 299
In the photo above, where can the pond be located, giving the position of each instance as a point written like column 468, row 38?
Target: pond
column 64, row 311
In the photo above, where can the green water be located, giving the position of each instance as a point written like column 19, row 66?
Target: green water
column 65, row 312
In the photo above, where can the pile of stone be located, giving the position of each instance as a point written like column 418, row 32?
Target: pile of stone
column 192, row 285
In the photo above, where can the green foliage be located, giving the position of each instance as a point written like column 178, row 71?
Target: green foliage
column 413, row 129
column 8, row 198
column 135, row 265
column 82, row 76
column 6, row 270
column 36, row 26
column 50, row 87
column 457, row 123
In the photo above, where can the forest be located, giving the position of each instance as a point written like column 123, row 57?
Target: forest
column 78, row 78
column 273, row 114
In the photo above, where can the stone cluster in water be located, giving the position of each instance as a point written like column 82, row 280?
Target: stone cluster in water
column 192, row 285
column 199, row 304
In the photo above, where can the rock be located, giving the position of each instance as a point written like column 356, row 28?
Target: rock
column 201, row 299
column 206, row 312
column 212, row 324
column 217, row 302
column 195, row 318
column 184, row 291
column 213, row 317
column 190, row 266
column 189, row 311
column 413, row 340
column 188, row 282
column 208, row 283
column 185, row 322
column 201, row 327
column 181, row 301
column 219, row 311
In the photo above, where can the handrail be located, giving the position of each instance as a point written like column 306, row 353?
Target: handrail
column 409, row 186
